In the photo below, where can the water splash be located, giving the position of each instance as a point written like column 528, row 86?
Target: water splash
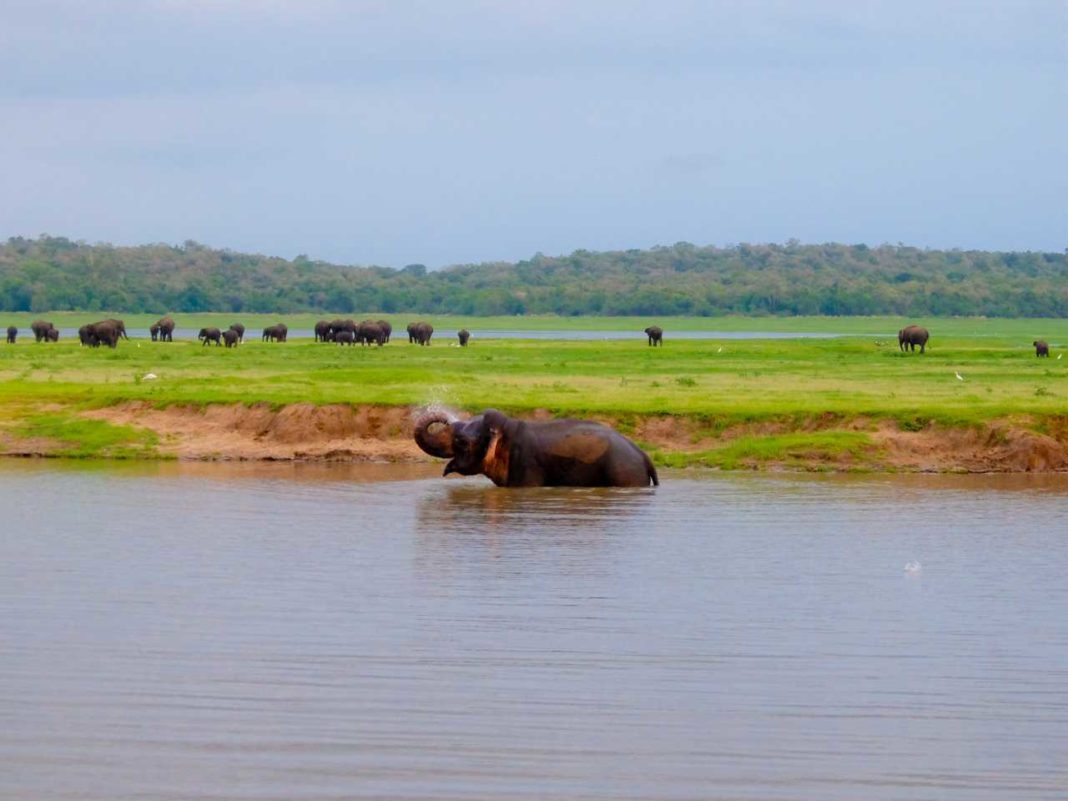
column 913, row 568
column 434, row 407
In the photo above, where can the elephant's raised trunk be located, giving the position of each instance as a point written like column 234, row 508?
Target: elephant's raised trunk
column 433, row 433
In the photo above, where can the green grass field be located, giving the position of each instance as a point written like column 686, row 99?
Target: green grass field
column 1006, row 330
column 736, row 379
column 719, row 382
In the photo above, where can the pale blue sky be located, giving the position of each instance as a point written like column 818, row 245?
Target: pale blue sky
column 391, row 132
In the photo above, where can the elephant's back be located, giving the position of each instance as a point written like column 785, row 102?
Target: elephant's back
column 591, row 447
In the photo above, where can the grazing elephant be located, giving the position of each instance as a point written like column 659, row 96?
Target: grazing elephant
column 207, row 335
column 1041, row 347
column 106, row 332
column 656, row 335
column 516, row 453
column 231, row 337
column 420, row 333
column 386, row 327
column 52, row 334
column 344, row 337
column 40, row 329
column 165, row 328
column 368, row 333
column 322, row 330
column 463, row 335
column 12, row 334
column 912, row 335
column 275, row 333
column 120, row 327
column 342, row 325
column 240, row 329
column 153, row 331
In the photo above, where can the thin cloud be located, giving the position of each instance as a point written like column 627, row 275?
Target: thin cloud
column 398, row 132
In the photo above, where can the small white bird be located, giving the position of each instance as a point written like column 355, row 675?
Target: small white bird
column 149, row 377
column 721, row 351
column 959, row 376
column 1059, row 356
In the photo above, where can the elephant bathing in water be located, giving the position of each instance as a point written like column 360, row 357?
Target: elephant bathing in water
column 517, row 453
column 912, row 335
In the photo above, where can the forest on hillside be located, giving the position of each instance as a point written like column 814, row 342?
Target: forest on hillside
column 56, row 274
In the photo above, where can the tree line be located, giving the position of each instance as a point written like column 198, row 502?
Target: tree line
column 55, row 274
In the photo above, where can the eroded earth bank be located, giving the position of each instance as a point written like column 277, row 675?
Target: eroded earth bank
column 340, row 432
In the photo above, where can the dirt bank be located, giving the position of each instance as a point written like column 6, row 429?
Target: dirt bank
column 300, row 431
column 1000, row 446
column 305, row 432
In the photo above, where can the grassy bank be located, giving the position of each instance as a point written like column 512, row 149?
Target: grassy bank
column 781, row 400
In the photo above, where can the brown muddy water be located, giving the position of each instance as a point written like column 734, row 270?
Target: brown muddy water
column 173, row 631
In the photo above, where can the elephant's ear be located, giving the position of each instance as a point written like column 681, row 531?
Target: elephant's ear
column 493, row 420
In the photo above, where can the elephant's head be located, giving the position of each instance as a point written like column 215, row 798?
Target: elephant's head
column 464, row 443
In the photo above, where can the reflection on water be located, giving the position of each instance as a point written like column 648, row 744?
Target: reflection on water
column 462, row 506
column 174, row 631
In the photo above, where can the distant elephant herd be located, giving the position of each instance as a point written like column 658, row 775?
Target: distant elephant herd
column 343, row 332
column 106, row 332
column 349, row 332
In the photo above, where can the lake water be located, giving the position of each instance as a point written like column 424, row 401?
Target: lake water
column 176, row 631
column 449, row 336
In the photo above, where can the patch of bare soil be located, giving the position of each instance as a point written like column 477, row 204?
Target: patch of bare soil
column 11, row 445
column 1000, row 447
column 300, row 431
column 685, row 434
